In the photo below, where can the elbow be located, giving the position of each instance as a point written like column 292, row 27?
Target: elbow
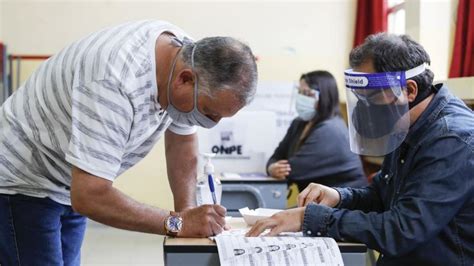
column 87, row 203
column 398, row 252
column 401, row 245
column 395, row 251
column 87, row 192
column 79, row 204
column 83, row 201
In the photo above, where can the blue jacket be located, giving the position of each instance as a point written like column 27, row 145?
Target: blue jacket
column 419, row 210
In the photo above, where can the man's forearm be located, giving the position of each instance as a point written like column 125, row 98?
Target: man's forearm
column 184, row 191
column 114, row 208
column 364, row 199
column 182, row 178
column 181, row 161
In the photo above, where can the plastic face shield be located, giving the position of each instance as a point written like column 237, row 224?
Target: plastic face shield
column 377, row 107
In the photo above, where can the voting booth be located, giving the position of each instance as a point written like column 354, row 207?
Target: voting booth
column 242, row 145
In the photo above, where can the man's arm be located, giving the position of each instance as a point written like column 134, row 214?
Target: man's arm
column 433, row 193
column 181, row 161
column 366, row 199
column 97, row 199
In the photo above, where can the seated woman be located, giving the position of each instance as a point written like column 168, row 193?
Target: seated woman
column 316, row 145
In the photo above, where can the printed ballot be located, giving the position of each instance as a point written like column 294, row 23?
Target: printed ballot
column 237, row 250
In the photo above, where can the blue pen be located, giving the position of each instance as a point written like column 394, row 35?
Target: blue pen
column 210, row 180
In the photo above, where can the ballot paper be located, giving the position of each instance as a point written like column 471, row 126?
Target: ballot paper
column 252, row 216
column 243, row 232
column 236, row 250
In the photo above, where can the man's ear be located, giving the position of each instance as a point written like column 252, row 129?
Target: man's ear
column 412, row 90
column 183, row 82
column 185, row 77
column 183, row 90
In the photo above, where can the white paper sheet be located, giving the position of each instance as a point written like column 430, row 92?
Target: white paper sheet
column 252, row 216
column 235, row 250
column 243, row 232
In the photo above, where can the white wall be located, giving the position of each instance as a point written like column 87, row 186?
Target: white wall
column 1, row 20
column 432, row 23
column 289, row 37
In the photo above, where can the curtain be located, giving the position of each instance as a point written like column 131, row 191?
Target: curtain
column 371, row 18
column 462, row 63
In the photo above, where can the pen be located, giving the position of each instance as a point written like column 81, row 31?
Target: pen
column 211, row 187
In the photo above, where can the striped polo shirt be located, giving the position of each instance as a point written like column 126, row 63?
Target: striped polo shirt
column 93, row 105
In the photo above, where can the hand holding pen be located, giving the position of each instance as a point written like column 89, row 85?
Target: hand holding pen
column 212, row 188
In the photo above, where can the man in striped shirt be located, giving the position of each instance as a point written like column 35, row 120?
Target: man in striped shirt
column 95, row 109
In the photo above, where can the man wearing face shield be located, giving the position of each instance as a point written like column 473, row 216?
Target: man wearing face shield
column 419, row 210
column 96, row 109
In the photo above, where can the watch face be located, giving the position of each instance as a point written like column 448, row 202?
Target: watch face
column 174, row 224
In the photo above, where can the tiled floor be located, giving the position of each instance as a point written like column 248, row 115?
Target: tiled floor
column 106, row 246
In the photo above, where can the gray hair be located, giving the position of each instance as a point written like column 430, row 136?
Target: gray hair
column 390, row 53
column 223, row 63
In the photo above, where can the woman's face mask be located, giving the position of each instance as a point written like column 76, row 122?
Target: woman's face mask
column 306, row 106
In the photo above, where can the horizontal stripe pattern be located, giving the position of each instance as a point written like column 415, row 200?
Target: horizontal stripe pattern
column 92, row 105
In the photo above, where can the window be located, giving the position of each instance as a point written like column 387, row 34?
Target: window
column 396, row 16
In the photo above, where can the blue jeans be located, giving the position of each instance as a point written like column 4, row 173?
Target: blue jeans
column 39, row 231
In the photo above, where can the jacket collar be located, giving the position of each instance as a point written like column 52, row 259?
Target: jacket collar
column 429, row 115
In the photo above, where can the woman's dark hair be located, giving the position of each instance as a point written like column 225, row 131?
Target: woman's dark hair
column 328, row 104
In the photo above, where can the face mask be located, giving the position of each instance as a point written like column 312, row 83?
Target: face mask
column 193, row 117
column 305, row 106
column 375, row 121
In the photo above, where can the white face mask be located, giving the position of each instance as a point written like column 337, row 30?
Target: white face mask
column 193, row 117
column 305, row 106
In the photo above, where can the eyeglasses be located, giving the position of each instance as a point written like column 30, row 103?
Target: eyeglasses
column 306, row 92
column 376, row 96
column 366, row 97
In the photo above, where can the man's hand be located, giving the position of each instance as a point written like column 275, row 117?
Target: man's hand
column 319, row 194
column 286, row 221
column 203, row 221
column 280, row 169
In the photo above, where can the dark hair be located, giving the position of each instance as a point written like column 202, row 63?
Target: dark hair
column 328, row 104
column 391, row 52
column 223, row 63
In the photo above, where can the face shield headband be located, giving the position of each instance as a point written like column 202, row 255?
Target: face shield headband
column 394, row 80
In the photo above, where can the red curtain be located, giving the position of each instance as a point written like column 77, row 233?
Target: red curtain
column 371, row 18
column 462, row 63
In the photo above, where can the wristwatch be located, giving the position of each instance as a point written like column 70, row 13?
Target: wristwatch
column 173, row 224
